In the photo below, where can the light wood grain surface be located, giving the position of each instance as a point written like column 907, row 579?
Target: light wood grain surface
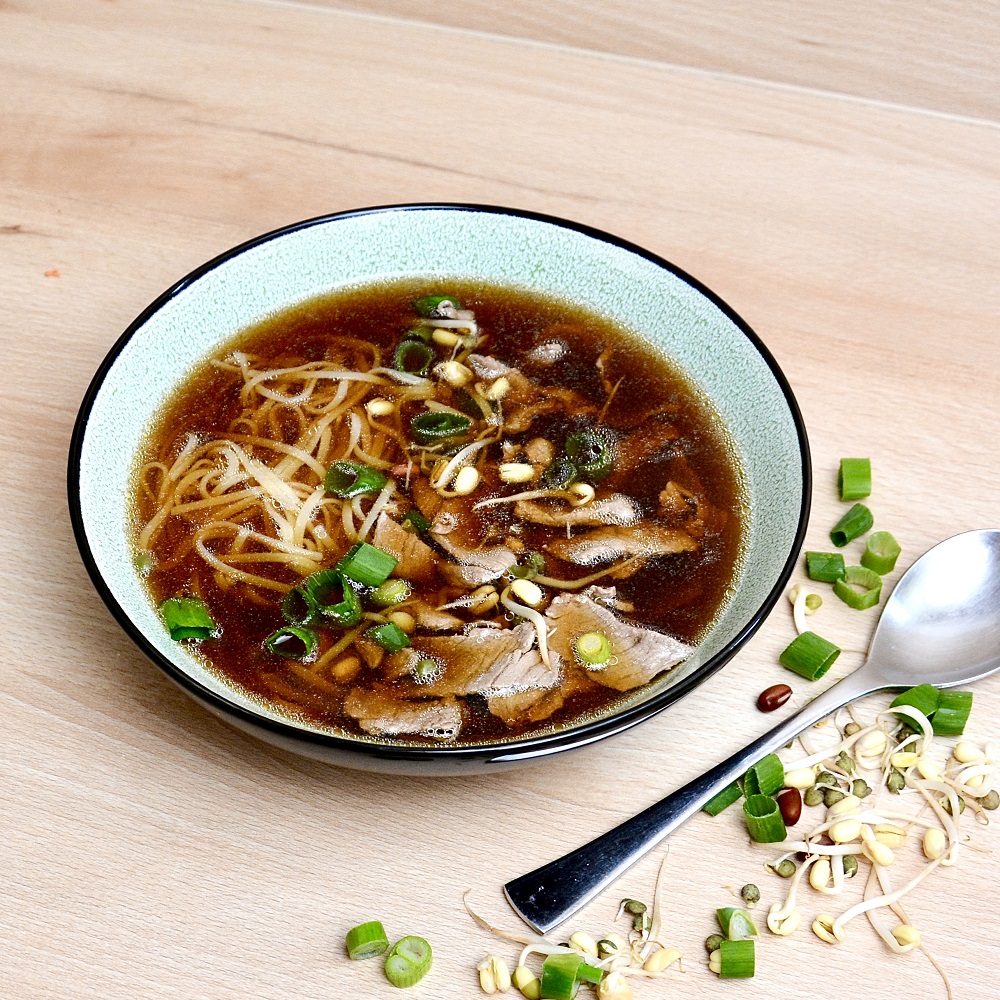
column 852, row 219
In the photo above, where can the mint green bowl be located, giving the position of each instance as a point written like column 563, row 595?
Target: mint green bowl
column 719, row 353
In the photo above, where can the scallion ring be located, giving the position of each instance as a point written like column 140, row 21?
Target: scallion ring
column 855, row 522
column 869, row 582
column 438, row 425
column 408, row 961
column 855, row 478
column 825, row 567
column 952, row 713
column 560, row 474
column 924, row 697
column 881, row 552
column 765, row 777
column 736, row 923
column 299, row 608
column 414, row 357
column 367, row 565
column 431, row 305
column 366, row 940
column 187, row 618
column 809, row 655
column 591, row 453
column 593, row 649
column 764, row 822
column 390, row 593
column 723, row 800
column 293, row 642
column 559, row 976
column 352, row 479
column 737, row 959
column 389, row 636
column 333, row 597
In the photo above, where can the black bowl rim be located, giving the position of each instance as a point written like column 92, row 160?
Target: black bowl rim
column 525, row 748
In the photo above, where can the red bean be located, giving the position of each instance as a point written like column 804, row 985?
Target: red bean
column 774, row 697
column 790, row 804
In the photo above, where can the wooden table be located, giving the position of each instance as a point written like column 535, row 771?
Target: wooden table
column 832, row 175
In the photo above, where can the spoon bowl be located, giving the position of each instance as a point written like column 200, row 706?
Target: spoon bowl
column 940, row 626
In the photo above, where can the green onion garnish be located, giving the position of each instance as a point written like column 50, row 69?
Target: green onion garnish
column 764, row 822
column 367, row 565
column 414, row 522
column 855, row 522
column 723, row 800
column 559, row 976
column 809, row 655
column 333, row 597
column 408, row 961
column 952, row 713
column 414, row 357
column 436, row 425
column 293, row 642
column 736, row 923
column 351, row 479
column 593, row 648
column 366, row 940
column 854, row 577
column 855, row 478
column 187, row 618
column 923, row 697
column 881, row 552
column 143, row 562
column 390, row 593
column 534, row 563
column 765, row 777
column 299, row 608
column 737, row 959
column 590, row 453
column 389, row 636
column 560, row 474
column 424, row 670
column 429, row 304
column 824, row 566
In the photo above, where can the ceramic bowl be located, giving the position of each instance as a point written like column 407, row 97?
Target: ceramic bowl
column 719, row 353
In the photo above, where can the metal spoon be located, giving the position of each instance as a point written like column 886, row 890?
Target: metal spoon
column 940, row 626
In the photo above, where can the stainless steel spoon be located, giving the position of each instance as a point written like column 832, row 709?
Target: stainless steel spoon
column 941, row 625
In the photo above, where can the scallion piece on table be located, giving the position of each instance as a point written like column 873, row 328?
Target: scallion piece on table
column 764, row 822
column 737, row 959
column 437, row 425
column 765, row 777
column 560, row 474
column 414, row 357
column 390, row 593
column 923, row 697
column 589, row 974
column 723, row 800
column 389, row 636
column 591, row 453
column 855, row 577
column 559, row 976
column 414, row 522
column 736, row 923
column 429, row 305
column 367, row 565
column 366, row 940
column 855, row 478
column 333, row 596
column 299, row 608
column 593, row 648
column 826, row 567
column 187, row 618
column 293, row 642
column 952, row 713
column 352, row 479
column 881, row 552
column 809, row 655
column 855, row 522
column 408, row 961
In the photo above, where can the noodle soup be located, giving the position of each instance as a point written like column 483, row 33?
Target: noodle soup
column 438, row 513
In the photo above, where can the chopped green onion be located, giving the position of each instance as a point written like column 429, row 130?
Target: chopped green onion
column 429, row 304
column 824, row 566
column 424, row 333
column 143, row 562
column 534, row 563
column 589, row 974
column 952, row 713
column 424, row 670
column 855, row 478
column 765, row 777
column 408, row 961
column 299, row 608
column 390, row 593
column 857, row 576
column 292, row 642
column 367, row 565
column 764, row 822
column 559, row 976
column 809, row 655
column 389, row 636
column 881, row 552
column 438, row 425
column 414, row 522
column 187, row 618
column 593, row 648
column 923, row 697
column 736, row 923
column 590, row 452
column 560, row 474
column 723, row 800
column 366, row 940
column 736, row 959
column 333, row 597
column 351, row 479
column 414, row 357
column 855, row 522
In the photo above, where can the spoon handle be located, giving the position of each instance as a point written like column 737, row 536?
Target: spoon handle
column 548, row 895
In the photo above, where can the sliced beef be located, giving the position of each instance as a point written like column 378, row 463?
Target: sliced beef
column 604, row 545
column 381, row 714
column 614, row 509
column 417, row 560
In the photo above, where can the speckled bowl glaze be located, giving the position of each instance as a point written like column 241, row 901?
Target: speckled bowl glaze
column 717, row 350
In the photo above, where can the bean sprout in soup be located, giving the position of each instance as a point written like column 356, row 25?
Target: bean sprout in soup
column 438, row 513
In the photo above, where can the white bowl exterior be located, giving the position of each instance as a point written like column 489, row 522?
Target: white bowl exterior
column 506, row 249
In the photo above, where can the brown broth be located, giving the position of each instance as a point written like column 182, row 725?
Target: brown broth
column 655, row 410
